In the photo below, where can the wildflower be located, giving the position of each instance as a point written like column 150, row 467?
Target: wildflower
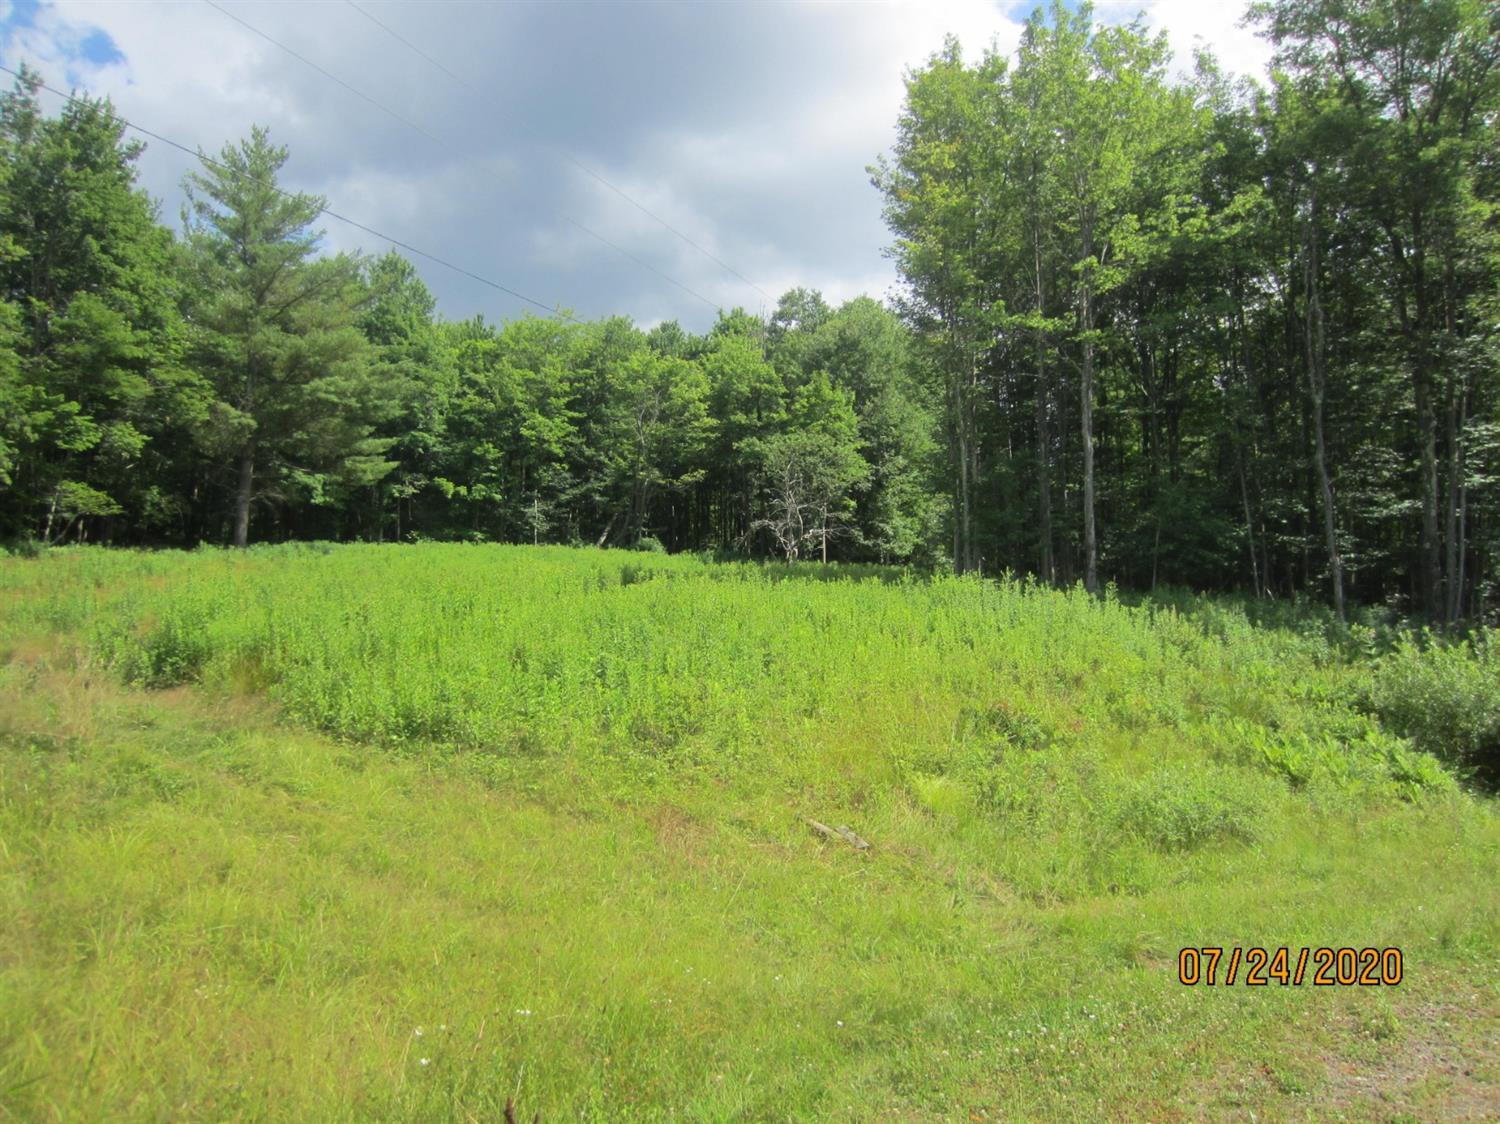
column 417, row 1033
column 522, row 1012
column 426, row 1061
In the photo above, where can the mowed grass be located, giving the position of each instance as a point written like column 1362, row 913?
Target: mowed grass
column 404, row 832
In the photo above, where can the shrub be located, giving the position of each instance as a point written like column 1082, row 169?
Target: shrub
column 1446, row 699
column 1181, row 809
column 26, row 547
column 941, row 795
column 1003, row 724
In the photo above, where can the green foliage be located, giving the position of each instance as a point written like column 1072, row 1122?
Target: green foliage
column 811, row 469
column 25, row 547
column 296, row 398
column 1188, row 807
column 1134, row 291
column 1154, row 331
column 672, row 659
column 1445, row 698
column 592, row 776
column 90, row 331
column 170, row 652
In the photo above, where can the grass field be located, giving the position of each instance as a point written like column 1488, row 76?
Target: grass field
column 404, row 832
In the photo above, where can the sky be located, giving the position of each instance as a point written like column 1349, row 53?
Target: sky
column 656, row 160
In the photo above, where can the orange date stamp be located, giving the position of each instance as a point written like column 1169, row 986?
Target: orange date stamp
column 1261, row 967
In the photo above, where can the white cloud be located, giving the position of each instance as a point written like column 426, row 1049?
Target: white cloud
column 747, row 127
column 1209, row 23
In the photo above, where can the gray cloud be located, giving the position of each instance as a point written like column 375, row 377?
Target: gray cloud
column 747, row 126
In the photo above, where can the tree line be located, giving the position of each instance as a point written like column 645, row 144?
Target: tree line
column 1204, row 332
column 231, row 383
column 1211, row 332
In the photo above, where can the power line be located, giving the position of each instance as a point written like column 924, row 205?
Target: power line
column 383, row 108
column 640, row 207
column 408, row 247
column 643, row 264
column 400, row 39
column 326, row 74
column 584, row 168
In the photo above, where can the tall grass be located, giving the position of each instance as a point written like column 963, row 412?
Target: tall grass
column 573, row 783
column 1051, row 712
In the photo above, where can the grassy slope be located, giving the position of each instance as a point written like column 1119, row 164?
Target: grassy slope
column 211, row 911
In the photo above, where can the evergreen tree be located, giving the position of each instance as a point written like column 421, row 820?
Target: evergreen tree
column 275, row 332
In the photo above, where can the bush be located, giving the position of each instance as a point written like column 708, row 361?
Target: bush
column 26, row 547
column 1342, row 748
column 1182, row 809
column 1446, row 699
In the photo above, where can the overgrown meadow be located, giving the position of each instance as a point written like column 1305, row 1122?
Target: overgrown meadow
column 403, row 832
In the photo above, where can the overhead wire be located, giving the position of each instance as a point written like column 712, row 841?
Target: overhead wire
column 436, row 140
column 582, row 167
column 325, row 73
column 643, row 264
column 322, row 210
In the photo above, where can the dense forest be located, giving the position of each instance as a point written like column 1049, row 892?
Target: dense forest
column 1152, row 331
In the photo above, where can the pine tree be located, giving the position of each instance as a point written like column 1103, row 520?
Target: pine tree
column 275, row 332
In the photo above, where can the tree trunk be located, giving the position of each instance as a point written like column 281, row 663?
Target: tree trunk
column 964, row 545
column 1249, row 522
column 1463, row 534
column 243, row 494
column 1431, row 568
column 1411, row 285
column 1261, row 588
column 963, row 553
column 974, row 473
column 1086, row 432
column 1044, row 472
column 1317, row 388
column 1043, row 435
column 1450, row 507
column 1155, row 553
column 608, row 527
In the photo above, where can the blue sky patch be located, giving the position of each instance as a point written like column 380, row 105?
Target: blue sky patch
column 79, row 46
column 18, row 15
column 99, row 49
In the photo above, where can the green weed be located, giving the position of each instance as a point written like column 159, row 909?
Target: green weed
column 556, row 819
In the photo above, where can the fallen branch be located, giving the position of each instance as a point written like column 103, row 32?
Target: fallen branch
column 840, row 832
column 853, row 840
